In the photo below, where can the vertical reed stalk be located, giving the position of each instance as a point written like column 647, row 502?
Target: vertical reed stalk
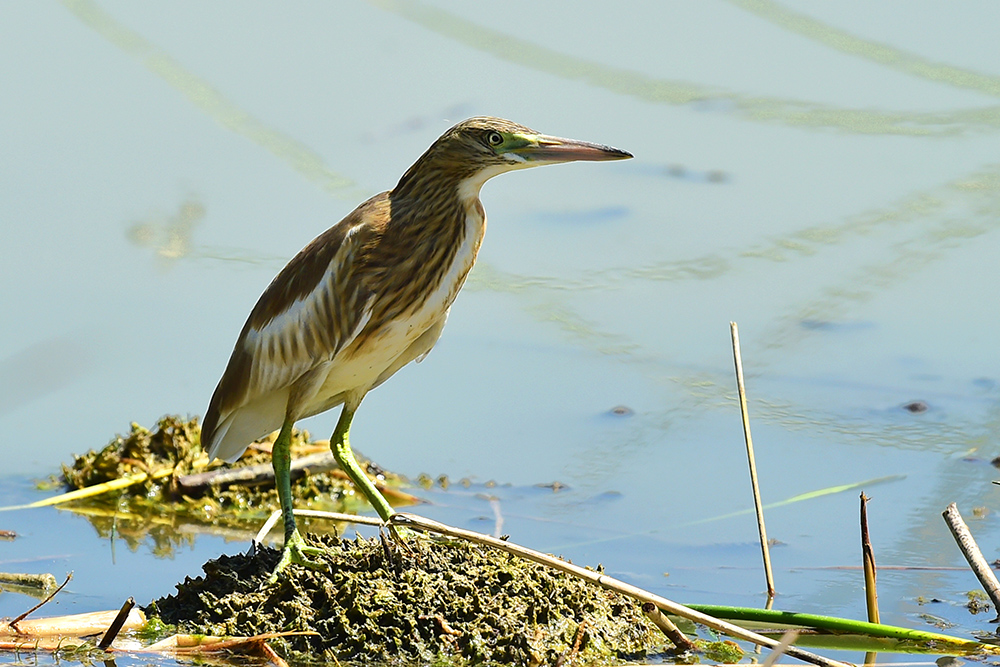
column 753, row 466
column 868, row 561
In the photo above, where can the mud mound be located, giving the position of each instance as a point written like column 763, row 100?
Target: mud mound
column 415, row 601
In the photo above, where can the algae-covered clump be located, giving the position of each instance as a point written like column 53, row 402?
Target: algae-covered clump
column 175, row 444
column 417, row 600
column 175, row 483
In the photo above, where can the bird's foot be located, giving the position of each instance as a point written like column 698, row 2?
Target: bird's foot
column 297, row 551
column 401, row 533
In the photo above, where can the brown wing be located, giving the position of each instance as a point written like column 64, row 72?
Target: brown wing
column 313, row 309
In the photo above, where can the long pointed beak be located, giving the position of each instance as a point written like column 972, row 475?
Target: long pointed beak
column 542, row 148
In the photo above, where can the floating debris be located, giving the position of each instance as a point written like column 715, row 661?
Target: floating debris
column 37, row 585
column 978, row 602
column 916, row 407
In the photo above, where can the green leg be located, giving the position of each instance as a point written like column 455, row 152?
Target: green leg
column 295, row 550
column 345, row 459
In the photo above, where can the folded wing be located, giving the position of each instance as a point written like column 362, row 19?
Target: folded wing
column 311, row 311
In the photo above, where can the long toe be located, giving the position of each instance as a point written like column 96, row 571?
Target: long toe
column 297, row 551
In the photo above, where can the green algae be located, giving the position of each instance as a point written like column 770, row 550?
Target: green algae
column 154, row 509
column 417, row 601
column 726, row 652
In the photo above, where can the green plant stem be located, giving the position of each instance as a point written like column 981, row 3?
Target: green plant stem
column 836, row 625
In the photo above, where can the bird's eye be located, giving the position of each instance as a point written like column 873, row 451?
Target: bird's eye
column 494, row 138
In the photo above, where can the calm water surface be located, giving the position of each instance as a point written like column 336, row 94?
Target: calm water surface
column 826, row 175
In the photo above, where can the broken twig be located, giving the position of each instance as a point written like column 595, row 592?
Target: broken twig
column 13, row 624
column 263, row 473
column 667, row 627
column 116, row 625
column 868, row 562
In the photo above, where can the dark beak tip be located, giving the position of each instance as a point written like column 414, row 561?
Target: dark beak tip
column 612, row 153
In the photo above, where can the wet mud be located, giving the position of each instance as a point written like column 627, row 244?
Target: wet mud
column 409, row 601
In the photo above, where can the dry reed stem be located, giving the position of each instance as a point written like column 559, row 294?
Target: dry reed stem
column 320, row 462
column 963, row 536
column 331, row 516
column 72, row 626
column 753, row 466
column 117, row 624
column 94, row 490
column 787, row 640
column 868, row 562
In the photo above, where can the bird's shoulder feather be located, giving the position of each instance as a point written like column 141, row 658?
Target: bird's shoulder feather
column 312, row 310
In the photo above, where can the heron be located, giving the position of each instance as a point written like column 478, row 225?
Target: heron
column 365, row 298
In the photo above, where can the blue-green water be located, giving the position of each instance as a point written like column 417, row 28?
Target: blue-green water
column 824, row 174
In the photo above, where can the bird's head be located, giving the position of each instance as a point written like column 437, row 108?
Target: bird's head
column 480, row 148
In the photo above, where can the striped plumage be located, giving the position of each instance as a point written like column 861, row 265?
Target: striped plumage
column 366, row 297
